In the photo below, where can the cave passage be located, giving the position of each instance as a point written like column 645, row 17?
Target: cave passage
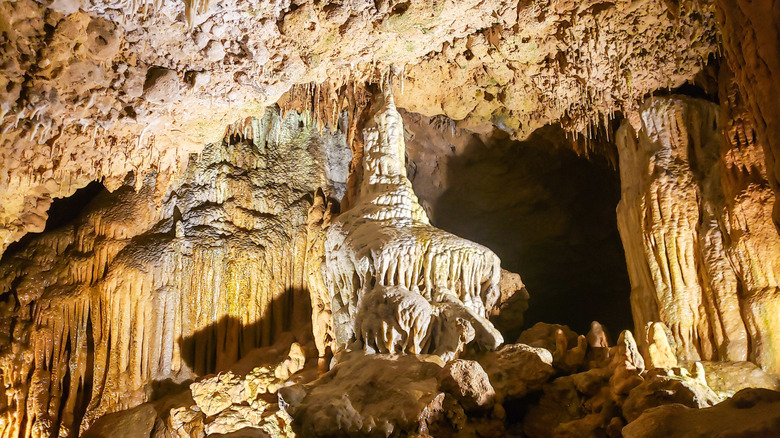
column 550, row 215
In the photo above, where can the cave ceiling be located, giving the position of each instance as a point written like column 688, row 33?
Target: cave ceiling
column 98, row 90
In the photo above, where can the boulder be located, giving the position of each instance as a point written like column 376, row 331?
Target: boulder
column 751, row 413
column 133, row 423
column 216, row 393
column 517, row 369
column 368, row 395
column 665, row 386
column 468, row 383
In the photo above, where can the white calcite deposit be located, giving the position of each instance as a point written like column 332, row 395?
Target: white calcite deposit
column 443, row 286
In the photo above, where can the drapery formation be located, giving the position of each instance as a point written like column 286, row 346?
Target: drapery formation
column 136, row 292
column 695, row 219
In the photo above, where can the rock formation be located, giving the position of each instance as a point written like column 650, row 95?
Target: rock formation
column 689, row 193
column 94, row 89
column 138, row 291
column 396, row 283
column 208, row 224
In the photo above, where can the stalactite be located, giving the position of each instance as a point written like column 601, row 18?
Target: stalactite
column 142, row 291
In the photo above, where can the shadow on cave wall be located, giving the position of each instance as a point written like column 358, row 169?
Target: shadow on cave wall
column 221, row 345
column 550, row 215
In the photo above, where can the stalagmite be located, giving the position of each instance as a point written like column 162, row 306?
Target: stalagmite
column 693, row 262
column 385, row 240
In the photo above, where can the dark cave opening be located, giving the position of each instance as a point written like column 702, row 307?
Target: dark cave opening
column 62, row 211
column 547, row 212
column 65, row 210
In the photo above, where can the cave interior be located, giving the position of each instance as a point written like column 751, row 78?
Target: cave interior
column 348, row 218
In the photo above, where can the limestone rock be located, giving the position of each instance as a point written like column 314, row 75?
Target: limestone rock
column 458, row 59
column 161, row 86
column 750, row 413
column 367, row 395
column 517, row 369
column 660, row 353
column 560, row 403
column 468, row 382
column 727, row 378
column 215, row 394
column 186, row 422
column 233, row 419
column 388, row 271
column 598, row 344
column 511, row 304
column 693, row 264
column 545, row 335
column 627, row 364
column 186, row 283
column 567, row 347
column 134, row 423
column 752, row 51
column 661, row 387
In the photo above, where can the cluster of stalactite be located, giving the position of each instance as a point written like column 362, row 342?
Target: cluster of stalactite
column 137, row 291
column 696, row 222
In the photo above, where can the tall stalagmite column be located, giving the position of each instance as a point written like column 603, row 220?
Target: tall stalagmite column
column 423, row 288
column 695, row 259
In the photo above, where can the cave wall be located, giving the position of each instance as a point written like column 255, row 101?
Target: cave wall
column 751, row 41
column 137, row 290
column 92, row 90
column 96, row 91
column 696, row 226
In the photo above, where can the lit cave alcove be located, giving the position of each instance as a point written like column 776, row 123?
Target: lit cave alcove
column 547, row 212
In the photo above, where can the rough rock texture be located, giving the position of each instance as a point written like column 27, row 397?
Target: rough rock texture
column 368, row 395
column 517, row 369
column 93, row 89
column 750, row 413
column 137, row 291
column 727, row 378
column 751, row 41
column 695, row 223
column 608, row 389
column 241, row 400
column 468, row 382
column 662, row 387
column 381, row 395
column 206, row 247
column 396, row 283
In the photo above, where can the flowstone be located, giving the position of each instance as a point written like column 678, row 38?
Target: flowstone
column 396, row 283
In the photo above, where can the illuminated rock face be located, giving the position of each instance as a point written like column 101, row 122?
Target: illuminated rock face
column 138, row 291
column 695, row 219
column 396, row 283
column 90, row 90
